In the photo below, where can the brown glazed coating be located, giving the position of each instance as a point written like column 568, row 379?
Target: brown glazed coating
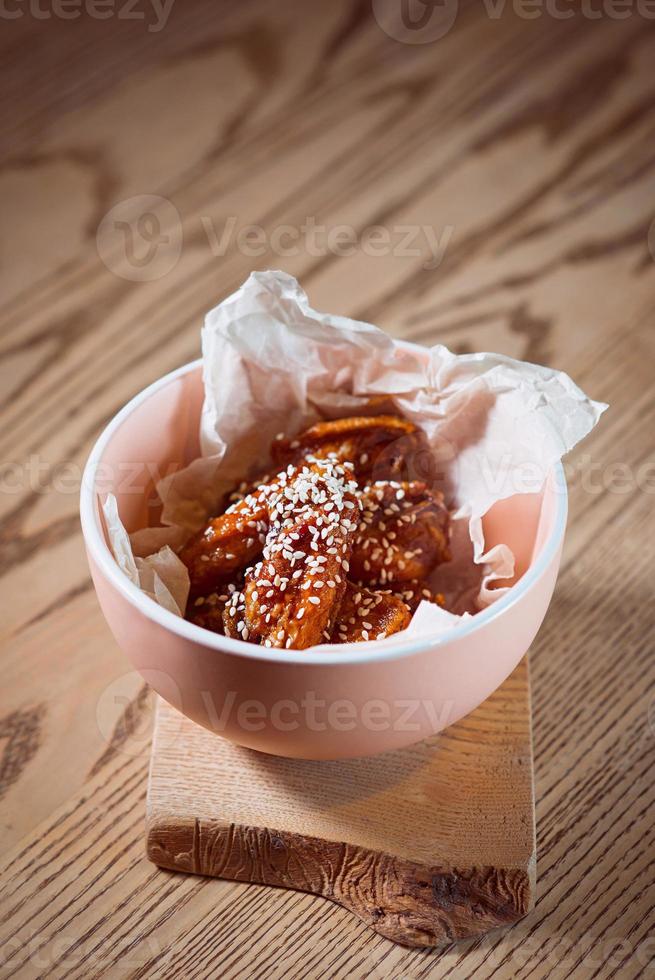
column 302, row 611
column 376, row 446
column 216, row 554
column 403, row 534
column 207, row 611
column 314, row 553
column 368, row 615
column 290, row 597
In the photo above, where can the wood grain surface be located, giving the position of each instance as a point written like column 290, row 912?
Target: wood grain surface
column 527, row 145
column 426, row 845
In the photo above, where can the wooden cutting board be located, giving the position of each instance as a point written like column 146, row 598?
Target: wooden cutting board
column 427, row 844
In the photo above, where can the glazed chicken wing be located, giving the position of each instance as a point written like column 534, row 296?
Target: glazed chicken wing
column 290, row 597
column 273, row 568
column 227, row 544
column 403, row 534
column 367, row 615
column 377, row 446
column 207, row 611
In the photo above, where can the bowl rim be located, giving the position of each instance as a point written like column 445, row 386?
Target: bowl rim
column 347, row 653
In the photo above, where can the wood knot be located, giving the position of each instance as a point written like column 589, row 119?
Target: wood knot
column 448, row 890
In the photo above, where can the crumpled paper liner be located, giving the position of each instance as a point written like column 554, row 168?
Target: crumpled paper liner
column 161, row 575
column 494, row 426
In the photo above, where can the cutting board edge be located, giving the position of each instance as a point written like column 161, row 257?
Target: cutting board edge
column 409, row 902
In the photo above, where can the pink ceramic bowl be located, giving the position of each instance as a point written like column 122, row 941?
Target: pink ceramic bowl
column 356, row 699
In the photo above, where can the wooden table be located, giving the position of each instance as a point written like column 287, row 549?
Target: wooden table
column 527, row 145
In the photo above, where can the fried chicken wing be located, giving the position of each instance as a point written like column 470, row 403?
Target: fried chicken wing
column 233, row 540
column 207, row 611
column 290, row 597
column 227, row 544
column 376, row 446
column 317, row 553
column 403, row 534
column 368, row 615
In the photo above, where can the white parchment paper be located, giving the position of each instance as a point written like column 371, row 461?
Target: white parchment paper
column 495, row 426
